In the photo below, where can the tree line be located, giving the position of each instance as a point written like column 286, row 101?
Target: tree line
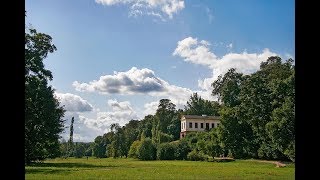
column 257, row 117
column 257, row 114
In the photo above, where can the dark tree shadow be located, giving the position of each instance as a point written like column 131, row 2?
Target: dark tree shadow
column 60, row 168
column 69, row 165
column 48, row 171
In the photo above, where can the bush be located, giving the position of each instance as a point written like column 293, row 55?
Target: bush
column 79, row 150
column 165, row 151
column 133, row 152
column 182, row 149
column 147, row 150
column 165, row 137
column 197, row 156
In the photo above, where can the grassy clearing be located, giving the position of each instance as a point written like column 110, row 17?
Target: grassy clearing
column 110, row 168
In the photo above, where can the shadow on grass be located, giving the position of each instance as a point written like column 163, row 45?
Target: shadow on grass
column 70, row 165
column 48, row 171
column 60, row 168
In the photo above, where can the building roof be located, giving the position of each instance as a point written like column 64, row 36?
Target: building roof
column 200, row 117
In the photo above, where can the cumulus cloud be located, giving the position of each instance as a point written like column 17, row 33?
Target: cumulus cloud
column 121, row 113
column 73, row 103
column 86, row 129
column 120, row 106
column 81, row 132
column 195, row 52
column 151, row 108
column 198, row 52
column 130, row 82
column 156, row 8
column 135, row 81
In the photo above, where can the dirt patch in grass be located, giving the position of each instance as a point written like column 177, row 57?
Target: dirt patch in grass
column 277, row 163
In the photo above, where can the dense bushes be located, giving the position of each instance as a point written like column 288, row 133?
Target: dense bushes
column 195, row 155
column 133, row 152
column 165, row 151
column 146, row 150
column 182, row 149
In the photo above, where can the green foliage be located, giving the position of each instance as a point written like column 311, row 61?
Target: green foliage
column 133, row 152
column 99, row 147
column 147, row 150
column 71, row 145
column 195, row 155
column 181, row 150
column 163, row 137
column 79, row 150
column 198, row 106
column 43, row 113
column 257, row 117
column 166, row 151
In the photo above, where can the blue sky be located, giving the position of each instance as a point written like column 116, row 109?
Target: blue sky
column 116, row 59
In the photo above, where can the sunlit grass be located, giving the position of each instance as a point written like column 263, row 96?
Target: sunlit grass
column 109, row 168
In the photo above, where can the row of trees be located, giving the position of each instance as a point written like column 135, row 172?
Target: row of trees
column 258, row 111
column 257, row 121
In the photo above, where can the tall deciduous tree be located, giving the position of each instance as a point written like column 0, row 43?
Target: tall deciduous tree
column 43, row 113
column 199, row 106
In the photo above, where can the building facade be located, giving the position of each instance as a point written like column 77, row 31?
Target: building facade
column 192, row 123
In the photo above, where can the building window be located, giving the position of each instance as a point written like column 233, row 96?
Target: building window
column 190, row 124
column 218, row 124
column 195, row 125
column 212, row 125
column 201, row 125
column 207, row 126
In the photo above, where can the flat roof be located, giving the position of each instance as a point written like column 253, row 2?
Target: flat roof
column 200, row 117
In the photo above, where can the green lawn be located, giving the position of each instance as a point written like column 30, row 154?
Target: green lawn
column 110, row 168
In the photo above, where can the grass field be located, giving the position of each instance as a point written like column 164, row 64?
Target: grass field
column 110, row 168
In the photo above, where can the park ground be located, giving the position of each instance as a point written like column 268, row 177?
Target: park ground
column 121, row 168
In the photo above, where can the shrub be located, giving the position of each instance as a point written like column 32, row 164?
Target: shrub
column 197, row 156
column 147, row 150
column 165, row 151
column 182, row 149
column 165, row 137
column 133, row 152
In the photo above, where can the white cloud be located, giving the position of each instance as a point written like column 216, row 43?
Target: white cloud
column 151, row 108
column 195, row 52
column 230, row 46
column 134, row 81
column 86, row 129
column 82, row 132
column 199, row 53
column 148, row 7
column 73, row 103
column 120, row 106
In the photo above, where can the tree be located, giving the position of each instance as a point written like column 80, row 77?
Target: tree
column 198, row 106
column 79, row 150
column 43, row 113
column 99, row 147
column 71, row 136
column 147, row 150
column 227, row 87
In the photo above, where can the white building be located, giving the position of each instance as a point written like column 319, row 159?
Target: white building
column 192, row 123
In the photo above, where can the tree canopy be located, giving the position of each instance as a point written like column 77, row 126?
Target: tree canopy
column 43, row 113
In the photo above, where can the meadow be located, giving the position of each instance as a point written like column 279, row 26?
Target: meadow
column 121, row 168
